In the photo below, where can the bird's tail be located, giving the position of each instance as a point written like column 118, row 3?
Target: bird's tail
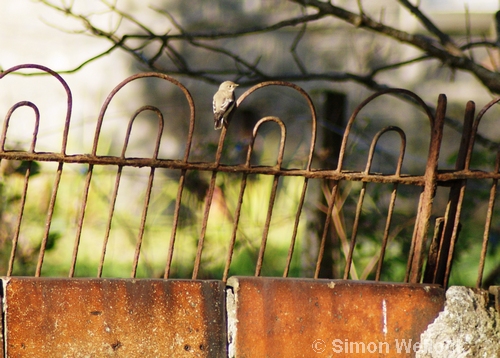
column 218, row 122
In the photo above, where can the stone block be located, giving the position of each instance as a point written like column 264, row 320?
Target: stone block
column 54, row 317
column 277, row 317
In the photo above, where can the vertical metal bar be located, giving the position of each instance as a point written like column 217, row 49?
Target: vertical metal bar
column 48, row 221
column 150, row 182
column 311, row 147
column 15, row 238
column 88, row 178
column 354, row 233
column 208, row 204
column 188, row 146
column 457, row 193
column 491, row 202
column 170, row 253
column 359, row 206
column 412, row 243
column 343, row 147
column 262, row 249
column 295, row 228
column 385, row 238
column 487, row 226
column 423, row 216
column 452, row 216
column 114, row 196
column 180, row 187
column 143, row 224
column 110, row 219
column 236, row 221
column 81, row 216
column 237, row 213
column 392, row 202
column 63, row 151
column 83, row 206
column 118, row 179
column 433, row 255
column 326, row 227
column 201, row 239
column 355, row 226
column 334, row 117
column 281, row 152
column 22, row 203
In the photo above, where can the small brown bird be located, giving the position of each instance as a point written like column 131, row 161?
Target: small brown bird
column 223, row 103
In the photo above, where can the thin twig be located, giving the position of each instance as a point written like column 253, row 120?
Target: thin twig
column 128, row 17
column 238, row 33
column 445, row 40
column 293, row 49
column 233, row 56
column 468, row 29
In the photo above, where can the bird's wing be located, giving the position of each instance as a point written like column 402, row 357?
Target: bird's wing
column 226, row 104
column 220, row 110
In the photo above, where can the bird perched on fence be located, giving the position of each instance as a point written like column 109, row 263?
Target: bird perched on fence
column 223, row 103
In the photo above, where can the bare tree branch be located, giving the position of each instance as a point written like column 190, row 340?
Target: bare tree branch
column 433, row 48
column 437, row 46
column 234, row 34
column 293, row 49
column 445, row 40
column 442, row 48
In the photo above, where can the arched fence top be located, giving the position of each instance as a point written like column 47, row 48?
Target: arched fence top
column 6, row 123
column 281, row 150
column 308, row 101
column 69, row 96
column 161, row 124
column 475, row 128
column 212, row 190
column 132, row 78
column 376, row 139
column 370, row 99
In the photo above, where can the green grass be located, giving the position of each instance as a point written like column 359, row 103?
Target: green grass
column 153, row 255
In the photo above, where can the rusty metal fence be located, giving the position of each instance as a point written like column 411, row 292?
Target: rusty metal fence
column 430, row 255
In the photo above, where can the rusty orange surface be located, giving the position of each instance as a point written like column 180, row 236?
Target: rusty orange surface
column 276, row 317
column 47, row 317
column 2, row 341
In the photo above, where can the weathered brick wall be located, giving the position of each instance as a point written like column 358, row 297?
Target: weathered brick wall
column 258, row 317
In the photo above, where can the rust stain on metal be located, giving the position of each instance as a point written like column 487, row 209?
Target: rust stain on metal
column 2, row 323
column 110, row 317
column 275, row 317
